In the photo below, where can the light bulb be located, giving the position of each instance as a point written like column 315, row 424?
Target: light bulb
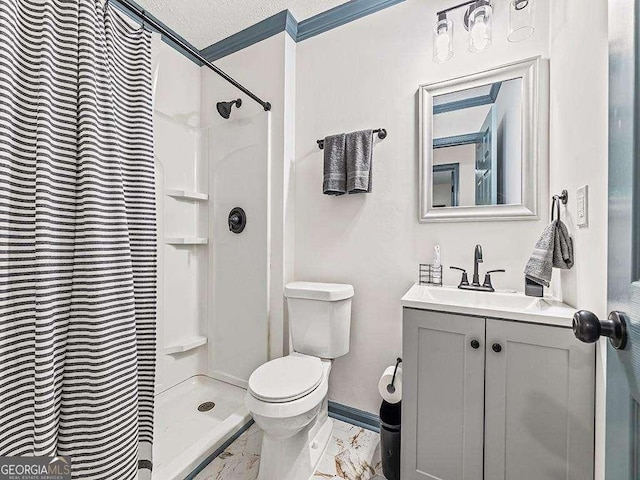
column 442, row 46
column 479, row 36
column 479, row 25
column 442, row 40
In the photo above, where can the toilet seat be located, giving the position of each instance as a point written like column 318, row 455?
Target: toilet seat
column 286, row 379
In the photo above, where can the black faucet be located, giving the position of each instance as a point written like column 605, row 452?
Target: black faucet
column 477, row 258
column 475, row 282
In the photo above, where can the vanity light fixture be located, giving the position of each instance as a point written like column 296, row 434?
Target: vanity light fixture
column 521, row 13
column 442, row 39
column 478, row 22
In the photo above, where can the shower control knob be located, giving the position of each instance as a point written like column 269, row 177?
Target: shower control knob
column 237, row 220
column 496, row 347
column 475, row 344
column 588, row 328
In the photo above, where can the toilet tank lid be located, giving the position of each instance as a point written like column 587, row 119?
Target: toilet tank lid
column 328, row 292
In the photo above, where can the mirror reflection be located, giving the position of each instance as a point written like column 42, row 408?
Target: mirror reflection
column 477, row 146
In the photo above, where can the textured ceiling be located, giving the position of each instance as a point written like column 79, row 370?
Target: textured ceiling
column 205, row 22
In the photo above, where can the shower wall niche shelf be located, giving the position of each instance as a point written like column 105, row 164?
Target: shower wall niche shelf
column 186, row 344
column 186, row 240
column 187, row 195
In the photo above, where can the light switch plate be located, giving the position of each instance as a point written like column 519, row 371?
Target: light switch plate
column 582, row 205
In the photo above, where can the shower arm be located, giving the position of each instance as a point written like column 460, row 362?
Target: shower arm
column 146, row 19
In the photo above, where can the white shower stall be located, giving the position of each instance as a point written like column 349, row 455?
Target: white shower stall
column 213, row 284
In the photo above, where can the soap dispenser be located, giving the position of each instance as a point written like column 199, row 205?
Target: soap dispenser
column 437, row 266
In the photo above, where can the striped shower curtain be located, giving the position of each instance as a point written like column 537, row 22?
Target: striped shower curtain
column 77, row 237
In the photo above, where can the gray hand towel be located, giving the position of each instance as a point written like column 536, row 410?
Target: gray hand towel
column 554, row 249
column 335, row 166
column 359, row 154
column 563, row 247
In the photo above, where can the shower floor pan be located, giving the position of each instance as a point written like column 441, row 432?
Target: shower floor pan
column 184, row 434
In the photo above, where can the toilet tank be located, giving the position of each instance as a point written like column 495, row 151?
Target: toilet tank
column 319, row 318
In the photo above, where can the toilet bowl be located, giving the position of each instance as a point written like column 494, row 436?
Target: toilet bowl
column 291, row 410
column 287, row 397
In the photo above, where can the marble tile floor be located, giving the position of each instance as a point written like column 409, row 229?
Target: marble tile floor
column 353, row 453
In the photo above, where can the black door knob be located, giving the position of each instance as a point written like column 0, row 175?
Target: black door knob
column 496, row 347
column 475, row 344
column 588, row 328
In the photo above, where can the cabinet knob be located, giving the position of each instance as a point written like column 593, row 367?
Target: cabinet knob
column 496, row 347
column 475, row 344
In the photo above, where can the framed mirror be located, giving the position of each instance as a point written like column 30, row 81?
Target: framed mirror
column 479, row 145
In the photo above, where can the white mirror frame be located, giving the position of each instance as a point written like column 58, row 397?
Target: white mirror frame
column 529, row 71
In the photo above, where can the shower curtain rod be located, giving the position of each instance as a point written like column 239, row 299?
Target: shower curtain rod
column 146, row 19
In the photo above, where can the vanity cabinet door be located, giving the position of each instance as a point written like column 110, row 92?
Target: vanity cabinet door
column 539, row 410
column 443, row 397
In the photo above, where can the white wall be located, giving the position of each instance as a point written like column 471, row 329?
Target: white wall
column 181, row 270
column 579, row 122
column 375, row 241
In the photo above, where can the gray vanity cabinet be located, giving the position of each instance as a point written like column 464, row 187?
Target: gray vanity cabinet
column 539, row 403
column 495, row 399
column 443, row 396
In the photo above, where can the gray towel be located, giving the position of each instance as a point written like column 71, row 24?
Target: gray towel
column 359, row 153
column 335, row 166
column 554, row 249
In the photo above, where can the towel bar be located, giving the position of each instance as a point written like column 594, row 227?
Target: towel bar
column 382, row 134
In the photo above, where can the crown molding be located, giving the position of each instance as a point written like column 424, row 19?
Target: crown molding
column 298, row 31
column 280, row 22
column 340, row 15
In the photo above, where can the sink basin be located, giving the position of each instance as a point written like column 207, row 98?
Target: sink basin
column 493, row 299
column 514, row 306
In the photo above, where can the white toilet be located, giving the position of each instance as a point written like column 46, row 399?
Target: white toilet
column 288, row 396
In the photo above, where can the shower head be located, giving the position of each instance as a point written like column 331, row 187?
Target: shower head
column 224, row 108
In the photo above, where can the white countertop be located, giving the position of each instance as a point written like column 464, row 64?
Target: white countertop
column 505, row 305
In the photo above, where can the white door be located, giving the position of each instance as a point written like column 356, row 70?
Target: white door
column 487, row 161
